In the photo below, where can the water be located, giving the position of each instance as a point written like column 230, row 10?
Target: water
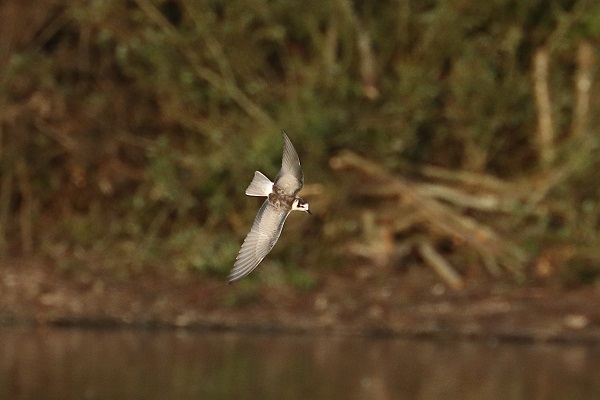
column 114, row 364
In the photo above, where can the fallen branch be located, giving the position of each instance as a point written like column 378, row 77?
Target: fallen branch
column 440, row 265
column 439, row 217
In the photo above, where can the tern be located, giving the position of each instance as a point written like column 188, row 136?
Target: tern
column 282, row 198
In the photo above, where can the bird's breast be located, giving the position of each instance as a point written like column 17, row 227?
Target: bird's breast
column 280, row 200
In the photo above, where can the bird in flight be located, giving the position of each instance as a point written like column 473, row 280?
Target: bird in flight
column 281, row 199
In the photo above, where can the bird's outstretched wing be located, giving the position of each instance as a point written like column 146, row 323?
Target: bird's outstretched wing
column 259, row 242
column 290, row 178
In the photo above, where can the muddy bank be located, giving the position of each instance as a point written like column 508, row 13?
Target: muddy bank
column 410, row 304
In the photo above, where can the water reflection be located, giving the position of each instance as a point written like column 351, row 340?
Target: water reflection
column 86, row 364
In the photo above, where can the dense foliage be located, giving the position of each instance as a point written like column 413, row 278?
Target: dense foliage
column 130, row 129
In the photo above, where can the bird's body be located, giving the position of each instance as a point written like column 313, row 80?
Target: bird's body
column 281, row 199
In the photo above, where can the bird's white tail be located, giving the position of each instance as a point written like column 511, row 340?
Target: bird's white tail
column 260, row 185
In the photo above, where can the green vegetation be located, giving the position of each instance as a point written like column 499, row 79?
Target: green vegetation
column 462, row 134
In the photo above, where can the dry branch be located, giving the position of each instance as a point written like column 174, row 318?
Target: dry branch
column 26, row 209
column 486, row 202
column 330, row 46
column 6, row 178
column 440, row 265
column 545, row 130
column 466, row 178
column 439, row 217
column 583, row 84
column 365, row 50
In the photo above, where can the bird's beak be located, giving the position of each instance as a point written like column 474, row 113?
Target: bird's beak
column 308, row 211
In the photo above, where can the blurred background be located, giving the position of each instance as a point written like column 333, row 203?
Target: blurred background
column 450, row 153
column 457, row 138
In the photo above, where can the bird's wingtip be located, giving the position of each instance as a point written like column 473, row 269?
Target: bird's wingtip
column 232, row 279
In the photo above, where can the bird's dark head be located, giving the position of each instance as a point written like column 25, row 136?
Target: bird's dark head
column 300, row 205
